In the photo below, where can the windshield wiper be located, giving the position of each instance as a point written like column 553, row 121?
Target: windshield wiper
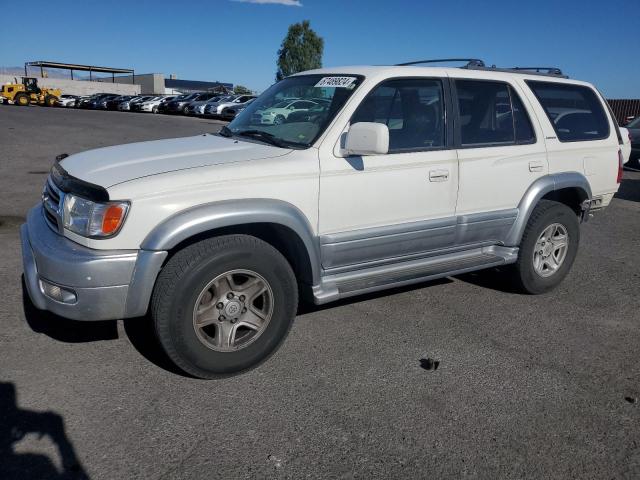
column 264, row 136
column 226, row 132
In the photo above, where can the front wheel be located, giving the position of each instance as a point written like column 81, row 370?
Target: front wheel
column 548, row 248
column 224, row 305
column 50, row 101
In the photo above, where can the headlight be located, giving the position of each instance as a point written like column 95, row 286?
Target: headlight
column 93, row 219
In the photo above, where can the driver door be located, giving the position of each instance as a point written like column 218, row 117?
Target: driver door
column 381, row 208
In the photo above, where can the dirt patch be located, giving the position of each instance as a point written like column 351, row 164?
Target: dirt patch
column 10, row 222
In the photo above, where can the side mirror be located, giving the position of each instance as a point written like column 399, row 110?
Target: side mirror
column 367, row 138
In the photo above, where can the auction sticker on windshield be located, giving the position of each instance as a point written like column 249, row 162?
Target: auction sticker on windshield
column 339, row 82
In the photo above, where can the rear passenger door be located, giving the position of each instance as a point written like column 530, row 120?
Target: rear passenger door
column 582, row 137
column 501, row 152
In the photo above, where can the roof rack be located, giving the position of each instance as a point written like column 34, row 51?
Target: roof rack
column 477, row 64
column 543, row 71
column 470, row 62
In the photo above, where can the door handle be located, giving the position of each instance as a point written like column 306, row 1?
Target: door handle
column 438, row 175
column 536, row 166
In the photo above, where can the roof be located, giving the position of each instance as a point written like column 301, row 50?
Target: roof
column 75, row 66
column 381, row 72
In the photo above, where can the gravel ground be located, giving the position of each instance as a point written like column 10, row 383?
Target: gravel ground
column 526, row 386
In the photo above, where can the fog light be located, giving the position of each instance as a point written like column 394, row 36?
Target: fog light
column 58, row 293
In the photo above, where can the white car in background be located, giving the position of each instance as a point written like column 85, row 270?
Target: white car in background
column 200, row 108
column 239, row 100
column 126, row 106
column 152, row 104
column 67, row 100
column 278, row 114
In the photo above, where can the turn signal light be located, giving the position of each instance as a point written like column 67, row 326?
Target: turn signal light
column 112, row 218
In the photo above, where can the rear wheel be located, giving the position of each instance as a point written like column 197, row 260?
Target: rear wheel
column 21, row 99
column 548, row 248
column 224, row 305
column 154, row 109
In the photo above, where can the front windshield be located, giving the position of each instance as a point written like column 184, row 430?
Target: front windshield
column 295, row 111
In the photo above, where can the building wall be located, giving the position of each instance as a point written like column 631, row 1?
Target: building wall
column 150, row 83
column 80, row 87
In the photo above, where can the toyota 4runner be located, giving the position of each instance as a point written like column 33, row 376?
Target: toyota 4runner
column 379, row 177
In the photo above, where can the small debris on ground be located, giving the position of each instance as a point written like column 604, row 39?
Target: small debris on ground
column 429, row 364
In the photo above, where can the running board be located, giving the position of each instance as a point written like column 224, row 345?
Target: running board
column 366, row 280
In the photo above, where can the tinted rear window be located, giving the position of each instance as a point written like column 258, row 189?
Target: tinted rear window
column 575, row 111
column 491, row 113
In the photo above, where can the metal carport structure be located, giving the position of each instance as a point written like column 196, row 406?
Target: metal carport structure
column 83, row 68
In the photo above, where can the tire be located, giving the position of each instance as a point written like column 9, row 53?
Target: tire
column 279, row 120
column 532, row 272
column 21, row 99
column 50, row 101
column 154, row 110
column 196, row 275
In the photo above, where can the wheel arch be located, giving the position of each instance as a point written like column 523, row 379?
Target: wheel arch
column 278, row 223
column 569, row 188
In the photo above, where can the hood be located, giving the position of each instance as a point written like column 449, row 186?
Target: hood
column 110, row 166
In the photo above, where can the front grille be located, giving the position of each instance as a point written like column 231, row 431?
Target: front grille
column 52, row 201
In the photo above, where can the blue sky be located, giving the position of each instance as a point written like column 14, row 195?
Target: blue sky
column 237, row 41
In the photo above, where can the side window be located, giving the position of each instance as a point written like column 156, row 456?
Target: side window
column 491, row 113
column 521, row 120
column 413, row 109
column 575, row 111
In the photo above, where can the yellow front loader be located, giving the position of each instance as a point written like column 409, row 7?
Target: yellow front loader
column 28, row 92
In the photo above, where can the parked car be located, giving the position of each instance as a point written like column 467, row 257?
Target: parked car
column 152, row 105
column 199, row 108
column 101, row 103
column 178, row 104
column 162, row 106
column 112, row 104
column 198, row 101
column 212, row 105
column 415, row 174
column 229, row 113
column 91, row 101
column 216, row 109
column 633, row 129
column 277, row 114
column 67, row 100
column 127, row 105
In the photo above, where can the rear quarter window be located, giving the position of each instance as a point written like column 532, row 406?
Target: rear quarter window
column 575, row 111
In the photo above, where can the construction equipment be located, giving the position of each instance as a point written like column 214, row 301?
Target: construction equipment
column 28, row 92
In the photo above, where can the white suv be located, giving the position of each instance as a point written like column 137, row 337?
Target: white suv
column 403, row 174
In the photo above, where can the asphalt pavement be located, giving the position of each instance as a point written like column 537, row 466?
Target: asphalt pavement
column 459, row 378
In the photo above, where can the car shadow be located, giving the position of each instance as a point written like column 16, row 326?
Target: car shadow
column 492, row 278
column 629, row 190
column 15, row 424
column 139, row 331
column 142, row 336
column 307, row 306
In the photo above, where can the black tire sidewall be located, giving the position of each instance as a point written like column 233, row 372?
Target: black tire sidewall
column 186, row 348
column 531, row 281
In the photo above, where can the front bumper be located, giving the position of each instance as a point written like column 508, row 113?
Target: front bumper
column 108, row 284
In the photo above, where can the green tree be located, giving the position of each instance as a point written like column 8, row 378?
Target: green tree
column 241, row 90
column 301, row 50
